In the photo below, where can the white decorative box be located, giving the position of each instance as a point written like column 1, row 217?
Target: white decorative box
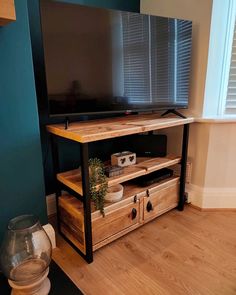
column 123, row 159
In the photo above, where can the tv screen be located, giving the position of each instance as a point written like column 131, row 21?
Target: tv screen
column 100, row 60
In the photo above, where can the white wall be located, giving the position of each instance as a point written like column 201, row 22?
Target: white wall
column 213, row 182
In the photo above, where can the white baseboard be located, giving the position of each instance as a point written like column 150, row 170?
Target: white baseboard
column 208, row 197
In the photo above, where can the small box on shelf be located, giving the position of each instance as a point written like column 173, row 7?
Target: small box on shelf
column 123, row 159
column 112, row 171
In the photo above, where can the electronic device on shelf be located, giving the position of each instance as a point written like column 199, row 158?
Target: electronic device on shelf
column 154, row 177
column 144, row 145
column 109, row 61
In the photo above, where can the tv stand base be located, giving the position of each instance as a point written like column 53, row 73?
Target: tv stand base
column 173, row 111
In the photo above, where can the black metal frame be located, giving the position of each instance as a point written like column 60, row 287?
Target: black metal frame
column 182, row 194
column 182, row 197
column 84, row 156
column 85, row 199
column 56, row 169
column 173, row 111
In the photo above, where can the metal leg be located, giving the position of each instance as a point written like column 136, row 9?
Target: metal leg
column 86, row 201
column 183, row 167
column 56, row 169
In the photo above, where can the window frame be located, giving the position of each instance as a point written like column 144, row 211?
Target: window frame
column 230, row 28
column 219, row 58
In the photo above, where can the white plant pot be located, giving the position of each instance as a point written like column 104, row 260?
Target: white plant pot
column 114, row 193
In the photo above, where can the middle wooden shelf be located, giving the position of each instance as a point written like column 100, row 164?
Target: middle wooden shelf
column 144, row 165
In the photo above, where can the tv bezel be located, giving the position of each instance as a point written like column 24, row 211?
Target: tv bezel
column 35, row 26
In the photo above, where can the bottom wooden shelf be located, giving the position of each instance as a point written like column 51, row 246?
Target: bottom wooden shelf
column 138, row 206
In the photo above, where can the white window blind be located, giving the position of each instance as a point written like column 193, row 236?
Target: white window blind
column 157, row 54
column 230, row 105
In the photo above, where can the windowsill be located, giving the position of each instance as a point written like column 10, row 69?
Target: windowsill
column 216, row 120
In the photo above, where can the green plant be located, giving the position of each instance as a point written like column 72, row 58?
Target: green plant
column 97, row 183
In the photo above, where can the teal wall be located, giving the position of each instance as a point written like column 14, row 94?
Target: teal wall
column 21, row 170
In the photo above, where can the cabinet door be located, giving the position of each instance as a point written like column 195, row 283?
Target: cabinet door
column 160, row 201
column 115, row 221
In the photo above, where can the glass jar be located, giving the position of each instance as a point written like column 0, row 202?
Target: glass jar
column 26, row 250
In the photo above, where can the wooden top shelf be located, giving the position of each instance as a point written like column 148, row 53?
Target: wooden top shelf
column 73, row 180
column 94, row 130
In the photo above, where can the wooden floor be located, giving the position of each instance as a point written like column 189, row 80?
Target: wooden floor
column 179, row 253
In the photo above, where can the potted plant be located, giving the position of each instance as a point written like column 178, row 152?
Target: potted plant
column 97, row 183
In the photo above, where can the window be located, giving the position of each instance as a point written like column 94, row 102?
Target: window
column 219, row 57
column 221, row 80
column 157, row 54
column 230, row 102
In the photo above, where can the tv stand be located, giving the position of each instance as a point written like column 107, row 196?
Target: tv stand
column 83, row 227
column 173, row 111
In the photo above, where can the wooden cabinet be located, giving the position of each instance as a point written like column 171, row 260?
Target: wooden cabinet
column 124, row 215
column 161, row 199
column 84, row 227
column 121, row 217
column 114, row 222
column 7, row 12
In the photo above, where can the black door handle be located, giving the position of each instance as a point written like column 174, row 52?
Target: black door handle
column 133, row 213
column 149, row 206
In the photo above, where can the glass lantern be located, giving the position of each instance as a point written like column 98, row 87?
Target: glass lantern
column 26, row 251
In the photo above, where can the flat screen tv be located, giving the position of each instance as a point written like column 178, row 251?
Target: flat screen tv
column 100, row 60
